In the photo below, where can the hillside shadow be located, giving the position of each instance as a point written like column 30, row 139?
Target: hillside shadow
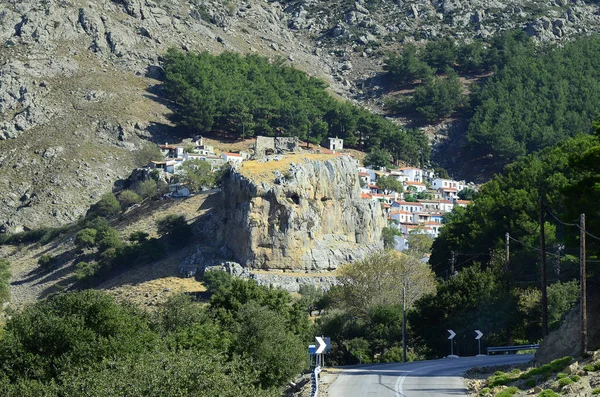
column 198, row 217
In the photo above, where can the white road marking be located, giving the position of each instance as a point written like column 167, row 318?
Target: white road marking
column 399, row 384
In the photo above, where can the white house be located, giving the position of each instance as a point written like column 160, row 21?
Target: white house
column 439, row 183
column 400, row 216
column 171, row 151
column 449, row 193
column 408, row 206
column 446, row 205
column 336, row 144
column 416, row 186
column 233, row 158
column 413, row 174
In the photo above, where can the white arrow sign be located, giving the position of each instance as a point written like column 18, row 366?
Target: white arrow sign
column 479, row 334
column 321, row 343
column 452, row 334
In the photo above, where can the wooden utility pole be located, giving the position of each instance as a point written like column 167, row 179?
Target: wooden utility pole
column 452, row 260
column 583, row 281
column 543, row 271
column 404, row 324
column 507, row 244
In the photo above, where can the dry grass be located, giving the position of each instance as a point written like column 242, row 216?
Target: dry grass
column 263, row 171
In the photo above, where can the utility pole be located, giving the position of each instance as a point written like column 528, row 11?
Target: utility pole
column 507, row 244
column 452, row 261
column 404, row 323
column 583, row 282
column 543, row 270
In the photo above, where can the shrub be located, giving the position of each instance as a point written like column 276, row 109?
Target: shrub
column 564, row 382
column 106, row 207
column 146, row 154
column 84, row 270
column 547, row 393
column 596, row 391
column 138, row 236
column 575, row 378
column 547, row 369
column 127, row 198
column 146, row 189
column 485, row 391
column 108, row 238
column 500, row 379
column 561, row 375
column 45, row 261
column 86, row 237
column 530, row 383
column 508, row 392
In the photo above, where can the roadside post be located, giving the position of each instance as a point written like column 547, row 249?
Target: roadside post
column 317, row 361
column 451, row 337
column 478, row 335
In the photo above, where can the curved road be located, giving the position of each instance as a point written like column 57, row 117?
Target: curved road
column 435, row 378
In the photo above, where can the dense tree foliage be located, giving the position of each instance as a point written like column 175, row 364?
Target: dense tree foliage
column 248, row 95
column 364, row 315
column 536, row 96
column 85, row 343
column 537, row 99
column 504, row 298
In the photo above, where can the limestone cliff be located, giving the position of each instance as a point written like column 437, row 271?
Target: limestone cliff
column 302, row 212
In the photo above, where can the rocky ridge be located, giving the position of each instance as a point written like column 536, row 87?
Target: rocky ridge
column 76, row 76
column 303, row 214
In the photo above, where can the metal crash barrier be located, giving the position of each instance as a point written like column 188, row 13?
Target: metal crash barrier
column 508, row 349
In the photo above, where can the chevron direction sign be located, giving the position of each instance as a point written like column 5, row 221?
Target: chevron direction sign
column 479, row 334
column 320, row 345
column 452, row 334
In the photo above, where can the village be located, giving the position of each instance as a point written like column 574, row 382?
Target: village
column 417, row 203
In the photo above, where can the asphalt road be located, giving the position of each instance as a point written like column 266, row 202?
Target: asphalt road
column 435, row 378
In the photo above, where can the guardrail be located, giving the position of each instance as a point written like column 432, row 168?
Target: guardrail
column 507, row 349
column 314, row 380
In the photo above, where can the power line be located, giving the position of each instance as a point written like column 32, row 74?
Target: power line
column 558, row 220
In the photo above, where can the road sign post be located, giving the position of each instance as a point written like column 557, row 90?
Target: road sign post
column 451, row 337
column 478, row 335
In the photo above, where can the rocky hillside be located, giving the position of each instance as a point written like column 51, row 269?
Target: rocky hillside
column 76, row 97
column 303, row 212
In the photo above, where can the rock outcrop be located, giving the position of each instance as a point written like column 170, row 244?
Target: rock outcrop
column 298, row 213
column 566, row 340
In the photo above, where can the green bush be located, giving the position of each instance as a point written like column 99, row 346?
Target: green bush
column 485, row 391
column 561, row 375
column 575, row 378
column 147, row 189
column 547, row 393
column 530, row 383
column 500, row 380
column 564, row 382
column 127, row 198
column 86, row 238
column 547, row 369
column 138, row 236
column 108, row 238
column 84, row 270
column 107, row 206
column 45, row 261
column 596, row 391
column 507, row 392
